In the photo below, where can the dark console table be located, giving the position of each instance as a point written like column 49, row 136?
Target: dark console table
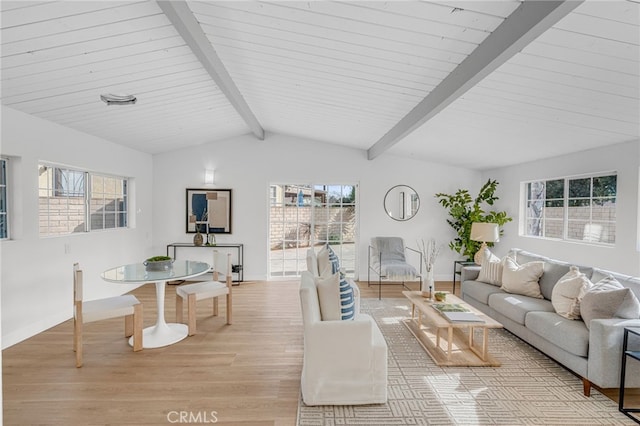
column 635, row 355
column 237, row 268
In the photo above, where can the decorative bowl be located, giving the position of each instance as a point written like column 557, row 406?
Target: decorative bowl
column 158, row 265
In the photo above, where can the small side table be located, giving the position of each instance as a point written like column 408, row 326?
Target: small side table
column 457, row 270
column 634, row 331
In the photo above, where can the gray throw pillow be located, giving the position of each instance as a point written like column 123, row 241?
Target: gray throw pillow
column 608, row 299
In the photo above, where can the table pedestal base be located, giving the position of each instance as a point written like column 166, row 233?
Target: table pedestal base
column 161, row 335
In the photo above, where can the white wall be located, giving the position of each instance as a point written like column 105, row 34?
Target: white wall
column 623, row 158
column 36, row 272
column 248, row 166
column 39, row 270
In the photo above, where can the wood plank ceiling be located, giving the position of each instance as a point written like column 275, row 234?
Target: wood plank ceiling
column 338, row 72
column 574, row 88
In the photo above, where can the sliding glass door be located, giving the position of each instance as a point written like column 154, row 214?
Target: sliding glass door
column 303, row 216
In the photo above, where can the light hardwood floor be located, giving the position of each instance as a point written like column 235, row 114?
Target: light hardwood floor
column 248, row 373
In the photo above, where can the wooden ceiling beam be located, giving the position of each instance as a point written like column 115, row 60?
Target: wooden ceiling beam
column 525, row 24
column 188, row 27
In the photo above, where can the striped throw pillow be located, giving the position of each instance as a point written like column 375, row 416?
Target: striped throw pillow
column 333, row 258
column 491, row 269
column 347, row 300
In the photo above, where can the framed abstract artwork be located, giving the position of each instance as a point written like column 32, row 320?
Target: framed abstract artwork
column 208, row 211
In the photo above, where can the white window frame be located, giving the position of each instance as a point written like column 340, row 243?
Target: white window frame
column 565, row 220
column 51, row 190
column 291, row 250
column 120, row 216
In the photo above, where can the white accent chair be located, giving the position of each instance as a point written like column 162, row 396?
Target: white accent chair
column 344, row 362
column 127, row 306
column 220, row 286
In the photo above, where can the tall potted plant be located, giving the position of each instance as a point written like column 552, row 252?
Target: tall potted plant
column 464, row 210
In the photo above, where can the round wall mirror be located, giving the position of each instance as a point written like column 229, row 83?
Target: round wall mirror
column 401, row 202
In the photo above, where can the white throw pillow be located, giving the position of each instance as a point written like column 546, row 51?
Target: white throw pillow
column 566, row 292
column 312, row 262
column 324, row 262
column 522, row 279
column 329, row 297
column 490, row 269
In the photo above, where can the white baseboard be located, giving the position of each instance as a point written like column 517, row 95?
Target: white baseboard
column 31, row 330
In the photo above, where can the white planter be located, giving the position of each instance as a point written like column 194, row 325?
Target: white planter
column 428, row 285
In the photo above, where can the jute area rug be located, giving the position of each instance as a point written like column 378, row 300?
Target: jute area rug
column 528, row 389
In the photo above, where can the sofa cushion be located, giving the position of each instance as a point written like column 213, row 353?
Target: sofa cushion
column 572, row 336
column 608, row 299
column 553, row 270
column 516, row 307
column 479, row 291
column 522, row 279
column 491, row 269
column 565, row 295
column 524, row 256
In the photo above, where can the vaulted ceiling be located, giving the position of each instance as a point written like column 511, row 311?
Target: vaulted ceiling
column 477, row 84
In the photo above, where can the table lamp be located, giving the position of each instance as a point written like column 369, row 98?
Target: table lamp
column 485, row 232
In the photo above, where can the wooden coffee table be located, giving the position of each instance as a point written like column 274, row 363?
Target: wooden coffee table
column 460, row 348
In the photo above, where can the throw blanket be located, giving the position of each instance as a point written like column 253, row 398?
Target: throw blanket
column 388, row 258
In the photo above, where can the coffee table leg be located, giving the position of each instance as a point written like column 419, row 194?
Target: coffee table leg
column 485, row 343
column 450, row 343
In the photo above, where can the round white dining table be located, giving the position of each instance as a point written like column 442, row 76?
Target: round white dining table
column 162, row 333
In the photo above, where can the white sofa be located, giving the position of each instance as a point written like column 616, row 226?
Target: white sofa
column 345, row 361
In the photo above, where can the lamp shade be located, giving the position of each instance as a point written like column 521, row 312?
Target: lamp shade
column 485, row 232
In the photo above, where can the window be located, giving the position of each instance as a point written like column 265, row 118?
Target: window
column 108, row 202
column 4, row 218
column 545, row 206
column 574, row 208
column 68, row 183
column 304, row 216
column 73, row 201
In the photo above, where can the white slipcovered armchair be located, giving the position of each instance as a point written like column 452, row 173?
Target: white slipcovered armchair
column 345, row 361
column 319, row 265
